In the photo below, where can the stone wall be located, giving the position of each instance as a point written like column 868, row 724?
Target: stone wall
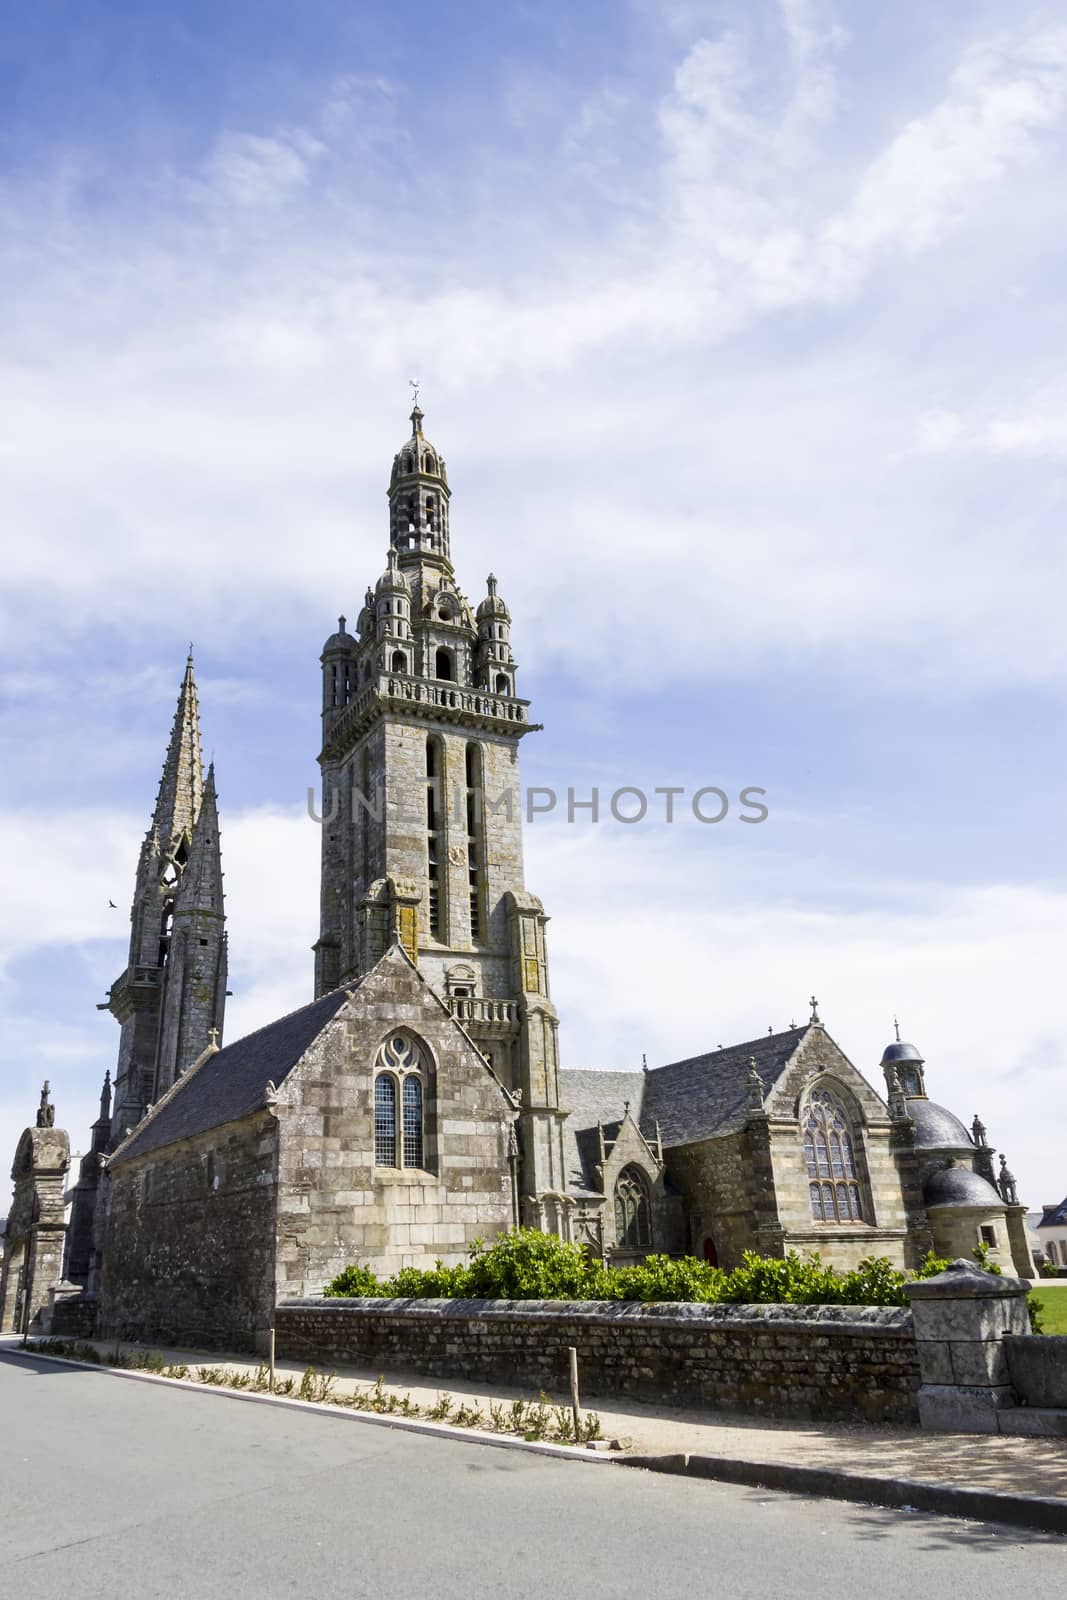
column 189, row 1244
column 335, row 1206
column 842, row 1362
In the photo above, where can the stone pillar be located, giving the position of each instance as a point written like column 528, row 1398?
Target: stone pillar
column 961, row 1317
column 1019, row 1243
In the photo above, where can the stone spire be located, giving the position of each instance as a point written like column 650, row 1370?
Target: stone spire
column 182, row 782
column 194, row 997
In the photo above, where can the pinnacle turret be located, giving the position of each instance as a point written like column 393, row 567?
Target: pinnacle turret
column 200, row 889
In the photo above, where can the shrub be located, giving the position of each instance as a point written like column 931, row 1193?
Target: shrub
column 354, row 1282
column 528, row 1265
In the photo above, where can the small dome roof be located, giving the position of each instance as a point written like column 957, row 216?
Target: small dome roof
column 417, row 456
column 341, row 640
column 959, row 1186
column 492, row 605
column 901, row 1050
column 937, row 1128
column 392, row 580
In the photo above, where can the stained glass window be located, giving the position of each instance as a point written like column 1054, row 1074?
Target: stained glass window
column 633, row 1211
column 399, row 1095
column 829, row 1154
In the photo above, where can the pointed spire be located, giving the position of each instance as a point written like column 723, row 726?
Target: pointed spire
column 201, row 884
column 105, row 1097
column 181, row 786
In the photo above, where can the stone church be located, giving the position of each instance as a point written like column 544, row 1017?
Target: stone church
column 416, row 1103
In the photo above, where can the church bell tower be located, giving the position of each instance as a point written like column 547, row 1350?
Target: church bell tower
column 422, row 814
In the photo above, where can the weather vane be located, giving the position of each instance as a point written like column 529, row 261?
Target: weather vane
column 413, row 384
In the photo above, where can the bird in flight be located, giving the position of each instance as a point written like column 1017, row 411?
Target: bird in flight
column 112, row 904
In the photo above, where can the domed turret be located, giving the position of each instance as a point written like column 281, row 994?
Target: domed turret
column 392, row 580
column 903, row 1065
column 392, row 606
column 496, row 665
column 493, row 605
column 338, row 669
column 341, row 642
column 418, row 499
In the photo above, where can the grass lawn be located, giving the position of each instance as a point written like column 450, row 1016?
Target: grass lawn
column 1053, row 1297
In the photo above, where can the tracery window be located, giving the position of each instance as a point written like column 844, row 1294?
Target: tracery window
column 633, row 1211
column 399, row 1084
column 833, row 1177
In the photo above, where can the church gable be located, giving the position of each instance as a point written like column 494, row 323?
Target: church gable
column 395, row 1138
column 818, row 1056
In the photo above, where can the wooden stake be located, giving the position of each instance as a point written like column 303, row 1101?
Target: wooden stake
column 271, row 1378
column 572, row 1352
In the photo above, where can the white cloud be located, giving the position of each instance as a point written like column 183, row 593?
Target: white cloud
column 255, row 171
column 1037, row 428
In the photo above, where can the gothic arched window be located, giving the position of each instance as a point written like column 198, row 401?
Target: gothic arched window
column 833, row 1177
column 399, row 1085
column 633, row 1211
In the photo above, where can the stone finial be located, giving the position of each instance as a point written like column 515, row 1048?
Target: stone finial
column 105, row 1097
column 644, row 1062
column 46, row 1111
column 1006, row 1184
column 814, row 1004
column 341, row 623
column 490, row 584
column 896, row 1029
column 625, row 1108
column 213, row 1036
column 754, row 1087
column 978, row 1132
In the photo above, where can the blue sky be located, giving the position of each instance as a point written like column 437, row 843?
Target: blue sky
column 741, row 329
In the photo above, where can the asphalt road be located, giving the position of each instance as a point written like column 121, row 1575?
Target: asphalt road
column 110, row 1487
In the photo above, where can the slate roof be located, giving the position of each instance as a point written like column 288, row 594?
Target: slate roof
column 1053, row 1216
column 592, row 1097
column 706, row 1096
column 702, row 1097
column 959, row 1186
column 937, row 1128
column 231, row 1084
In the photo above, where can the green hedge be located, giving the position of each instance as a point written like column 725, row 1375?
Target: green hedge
column 528, row 1265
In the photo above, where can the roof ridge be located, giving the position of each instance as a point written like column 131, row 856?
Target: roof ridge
column 345, row 989
column 796, row 1034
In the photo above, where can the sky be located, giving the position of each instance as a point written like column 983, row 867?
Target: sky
column 741, row 328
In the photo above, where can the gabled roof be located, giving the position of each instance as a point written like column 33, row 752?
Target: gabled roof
column 232, row 1082
column 701, row 1097
column 589, row 1098
column 706, row 1096
column 1053, row 1216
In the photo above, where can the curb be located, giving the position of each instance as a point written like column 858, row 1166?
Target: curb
column 321, row 1408
column 946, row 1500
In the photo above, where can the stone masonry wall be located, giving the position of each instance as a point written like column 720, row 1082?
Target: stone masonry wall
column 335, row 1206
column 189, row 1247
column 841, row 1362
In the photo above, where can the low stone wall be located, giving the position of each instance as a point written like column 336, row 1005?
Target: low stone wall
column 1037, row 1367
column 844, row 1362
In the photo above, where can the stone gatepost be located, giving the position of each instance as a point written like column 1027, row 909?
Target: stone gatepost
column 961, row 1317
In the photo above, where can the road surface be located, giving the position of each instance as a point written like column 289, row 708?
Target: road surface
column 115, row 1488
